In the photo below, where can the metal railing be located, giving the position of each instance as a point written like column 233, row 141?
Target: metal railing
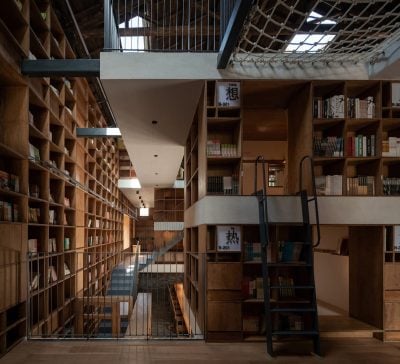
column 101, row 295
column 167, row 25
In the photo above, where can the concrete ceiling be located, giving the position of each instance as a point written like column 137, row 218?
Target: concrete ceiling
column 155, row 149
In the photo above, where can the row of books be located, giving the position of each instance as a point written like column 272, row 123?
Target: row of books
column 361, row 146
column 329, row 185
column 252, row 252
column 224, row 185
column 34, row 152
column 51, row 245
column 280, row 251
column 289, row 251
column 329, row 108
column 9, row 181
column 253, row 288
column 9, row 211
column 391, row 147
column 361, row 108
column 333, row 107
column 52, row 276
column 391, row 186
column 288, row 322
column 331, row 146
column 361, row 186
column 215, row 148
column 98, row 239
column 287, row 287
column 391, row 238
column 97, row 223
column 34, row 215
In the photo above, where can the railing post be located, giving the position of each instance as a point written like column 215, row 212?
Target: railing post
column 115, row 318
column 107, row 6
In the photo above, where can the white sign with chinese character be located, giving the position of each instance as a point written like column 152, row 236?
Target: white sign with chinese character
column 228, row 94
column 228, row 238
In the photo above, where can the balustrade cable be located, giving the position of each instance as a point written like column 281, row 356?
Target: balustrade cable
column 167, row 25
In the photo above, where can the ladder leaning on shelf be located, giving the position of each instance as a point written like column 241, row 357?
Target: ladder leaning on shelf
column 288, row 270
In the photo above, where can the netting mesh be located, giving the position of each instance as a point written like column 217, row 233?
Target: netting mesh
column 319, row 30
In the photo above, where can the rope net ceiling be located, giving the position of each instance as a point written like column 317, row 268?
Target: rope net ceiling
column 296, row 31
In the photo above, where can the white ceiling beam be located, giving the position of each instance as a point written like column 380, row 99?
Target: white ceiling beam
column 388, row 64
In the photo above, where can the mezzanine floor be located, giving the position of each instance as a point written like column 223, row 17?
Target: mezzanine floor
column 338, row 350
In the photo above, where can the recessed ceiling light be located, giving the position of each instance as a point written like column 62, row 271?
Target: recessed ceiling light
column 156, row 173
column 155, row 155
column 154, row 122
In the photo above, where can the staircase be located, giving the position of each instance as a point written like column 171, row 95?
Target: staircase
column 288, row 270
column 156, row 254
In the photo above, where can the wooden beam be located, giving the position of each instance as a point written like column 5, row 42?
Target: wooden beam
column 171, row 31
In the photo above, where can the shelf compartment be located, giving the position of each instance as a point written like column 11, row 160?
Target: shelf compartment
column 14, row 22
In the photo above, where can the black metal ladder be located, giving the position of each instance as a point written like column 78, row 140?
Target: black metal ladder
column 302, row 303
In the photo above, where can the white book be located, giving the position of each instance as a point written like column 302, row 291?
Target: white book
column 364, row 147
column 395, row 94
column 392, row 146
column 371, row 107
column 396, row 237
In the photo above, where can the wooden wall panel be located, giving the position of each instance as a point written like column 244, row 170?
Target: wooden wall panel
column 225, row 276
column 224, row 316
column 366, row 274
column 299, row 136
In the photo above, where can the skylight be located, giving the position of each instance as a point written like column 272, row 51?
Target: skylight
column 310, row 43
column 133, row 43
column 314, row 16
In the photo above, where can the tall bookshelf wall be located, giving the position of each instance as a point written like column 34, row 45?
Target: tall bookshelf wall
column 64, row 215
column 369, row 115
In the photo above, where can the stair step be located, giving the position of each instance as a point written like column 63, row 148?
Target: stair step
column 288, row 265
column 293, row 310
column 296, row 333
column 297, row 287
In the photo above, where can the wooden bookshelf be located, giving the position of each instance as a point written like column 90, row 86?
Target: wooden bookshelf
column 372, row 171
column 53, row 184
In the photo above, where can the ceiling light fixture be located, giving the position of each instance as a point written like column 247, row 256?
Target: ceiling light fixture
column 155, row 155
column 154, row 122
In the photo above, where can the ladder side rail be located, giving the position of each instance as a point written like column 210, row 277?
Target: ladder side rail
column 314, row 198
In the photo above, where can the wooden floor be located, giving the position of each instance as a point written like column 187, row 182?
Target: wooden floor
column 363, row 351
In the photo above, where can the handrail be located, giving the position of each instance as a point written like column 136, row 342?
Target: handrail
column 159, row 253
column 260, row 159
column 314, row 191
column 262, row 199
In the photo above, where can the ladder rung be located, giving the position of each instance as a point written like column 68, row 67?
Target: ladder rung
column 292, row 310
column 296, row 332
column 297, row 287
column 288, row 265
